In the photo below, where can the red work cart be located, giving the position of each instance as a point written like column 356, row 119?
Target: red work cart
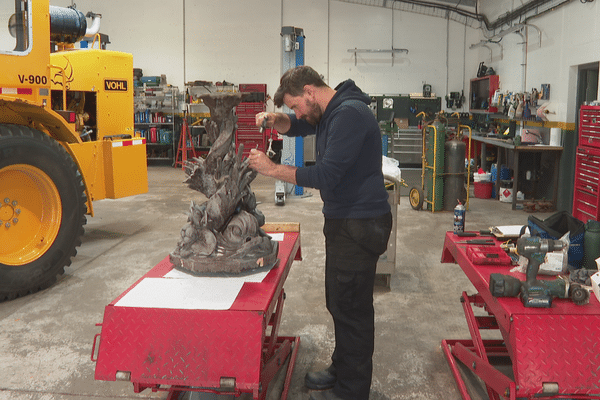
column 554, row 352
column 158, row 335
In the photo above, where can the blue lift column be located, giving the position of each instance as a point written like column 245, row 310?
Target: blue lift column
column 293, row 147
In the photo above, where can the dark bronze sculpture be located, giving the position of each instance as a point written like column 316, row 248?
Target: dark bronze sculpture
column 223, row 234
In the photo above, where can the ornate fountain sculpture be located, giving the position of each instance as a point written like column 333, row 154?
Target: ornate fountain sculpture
column 223, row 234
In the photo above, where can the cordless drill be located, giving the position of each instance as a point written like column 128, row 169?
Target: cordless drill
column 533, row 292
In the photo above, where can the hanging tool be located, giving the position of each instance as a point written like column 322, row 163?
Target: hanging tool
column 533, row 292
column 263, row 126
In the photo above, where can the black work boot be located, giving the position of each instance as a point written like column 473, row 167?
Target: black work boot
column 321, row 380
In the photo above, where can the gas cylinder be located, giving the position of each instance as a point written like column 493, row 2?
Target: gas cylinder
column 454, row 173
column 434, row 156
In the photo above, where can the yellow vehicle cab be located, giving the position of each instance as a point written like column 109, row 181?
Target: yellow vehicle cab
column 66, row 139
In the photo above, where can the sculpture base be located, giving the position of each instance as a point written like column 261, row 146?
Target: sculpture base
column 198, row 265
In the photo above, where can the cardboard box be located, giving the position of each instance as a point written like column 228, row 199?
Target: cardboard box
column 401, row 122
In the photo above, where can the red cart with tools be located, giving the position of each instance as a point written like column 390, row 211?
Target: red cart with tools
column 174, row 332
column 554, row 352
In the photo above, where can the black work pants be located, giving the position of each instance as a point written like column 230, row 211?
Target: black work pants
column 353, row 247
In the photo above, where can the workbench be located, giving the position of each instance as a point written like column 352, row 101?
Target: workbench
column 517, row 151
column 554, row 352
column 175, row 332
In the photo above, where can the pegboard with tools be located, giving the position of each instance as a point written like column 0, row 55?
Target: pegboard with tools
column 405, row 107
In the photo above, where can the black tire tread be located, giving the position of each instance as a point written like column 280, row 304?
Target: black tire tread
column 46, row 274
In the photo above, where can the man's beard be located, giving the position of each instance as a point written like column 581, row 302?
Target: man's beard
column 314, row 113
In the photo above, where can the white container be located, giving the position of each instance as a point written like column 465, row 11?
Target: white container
column 505, row 195
column 555, row 136
column 596, row 282
column 485, row 177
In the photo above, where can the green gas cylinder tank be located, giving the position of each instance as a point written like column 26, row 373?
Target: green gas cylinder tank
column 434, row 155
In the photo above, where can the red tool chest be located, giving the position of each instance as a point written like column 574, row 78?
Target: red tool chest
column 230, row 349
column 586, row 199
column 247, row 132
column 589, row 126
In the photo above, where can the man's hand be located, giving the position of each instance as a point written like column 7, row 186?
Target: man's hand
column 262, row 164
column 279, row 121
column 264, row 116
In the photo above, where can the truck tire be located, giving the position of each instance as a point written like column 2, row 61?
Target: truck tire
column 42, row 210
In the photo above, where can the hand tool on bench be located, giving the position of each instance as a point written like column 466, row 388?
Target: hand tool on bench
column 484, row 242
column 484, row 232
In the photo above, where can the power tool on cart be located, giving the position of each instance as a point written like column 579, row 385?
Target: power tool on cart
column 534, row 292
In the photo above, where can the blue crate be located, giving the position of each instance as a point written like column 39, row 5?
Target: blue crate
column 165, row 136
column 504, row 176
column 555, row 227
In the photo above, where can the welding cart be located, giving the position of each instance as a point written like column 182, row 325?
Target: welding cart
column 174, row 332
column 431, row 191
column 553, row 352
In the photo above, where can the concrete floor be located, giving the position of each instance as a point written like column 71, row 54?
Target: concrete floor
column 46, row 338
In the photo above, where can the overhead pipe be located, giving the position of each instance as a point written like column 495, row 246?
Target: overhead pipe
column 514, row 29
column 485, row 43
column 524, row 63
column 485, row 25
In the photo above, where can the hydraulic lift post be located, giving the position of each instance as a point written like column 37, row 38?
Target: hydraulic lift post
column 292, row 55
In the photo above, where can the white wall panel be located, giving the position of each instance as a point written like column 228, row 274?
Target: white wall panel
column 234, row 41
column 240, row 42
column 363, row 27
column 570, row 37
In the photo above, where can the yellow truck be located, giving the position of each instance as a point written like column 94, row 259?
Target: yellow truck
column 66, row 138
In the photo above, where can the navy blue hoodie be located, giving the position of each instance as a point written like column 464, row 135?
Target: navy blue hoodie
column 348, row 161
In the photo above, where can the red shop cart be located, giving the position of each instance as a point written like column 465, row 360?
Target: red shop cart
column 157, row 338
column 554, row 352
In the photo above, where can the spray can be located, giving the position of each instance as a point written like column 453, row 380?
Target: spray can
column 459, row 217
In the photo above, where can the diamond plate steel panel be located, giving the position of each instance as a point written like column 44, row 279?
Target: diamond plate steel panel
column 181, row 347
column 556, row 348
column 546, row 345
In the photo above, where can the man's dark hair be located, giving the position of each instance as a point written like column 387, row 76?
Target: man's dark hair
column 293, row 81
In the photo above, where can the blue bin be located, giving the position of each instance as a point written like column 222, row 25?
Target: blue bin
column 384, row 145
column 555, row 227
column 504, row 176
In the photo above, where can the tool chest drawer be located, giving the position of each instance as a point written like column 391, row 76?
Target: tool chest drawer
column 589, row 126
column 587, row 184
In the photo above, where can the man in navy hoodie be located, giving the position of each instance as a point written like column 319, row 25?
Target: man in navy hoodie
column 358, row 218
